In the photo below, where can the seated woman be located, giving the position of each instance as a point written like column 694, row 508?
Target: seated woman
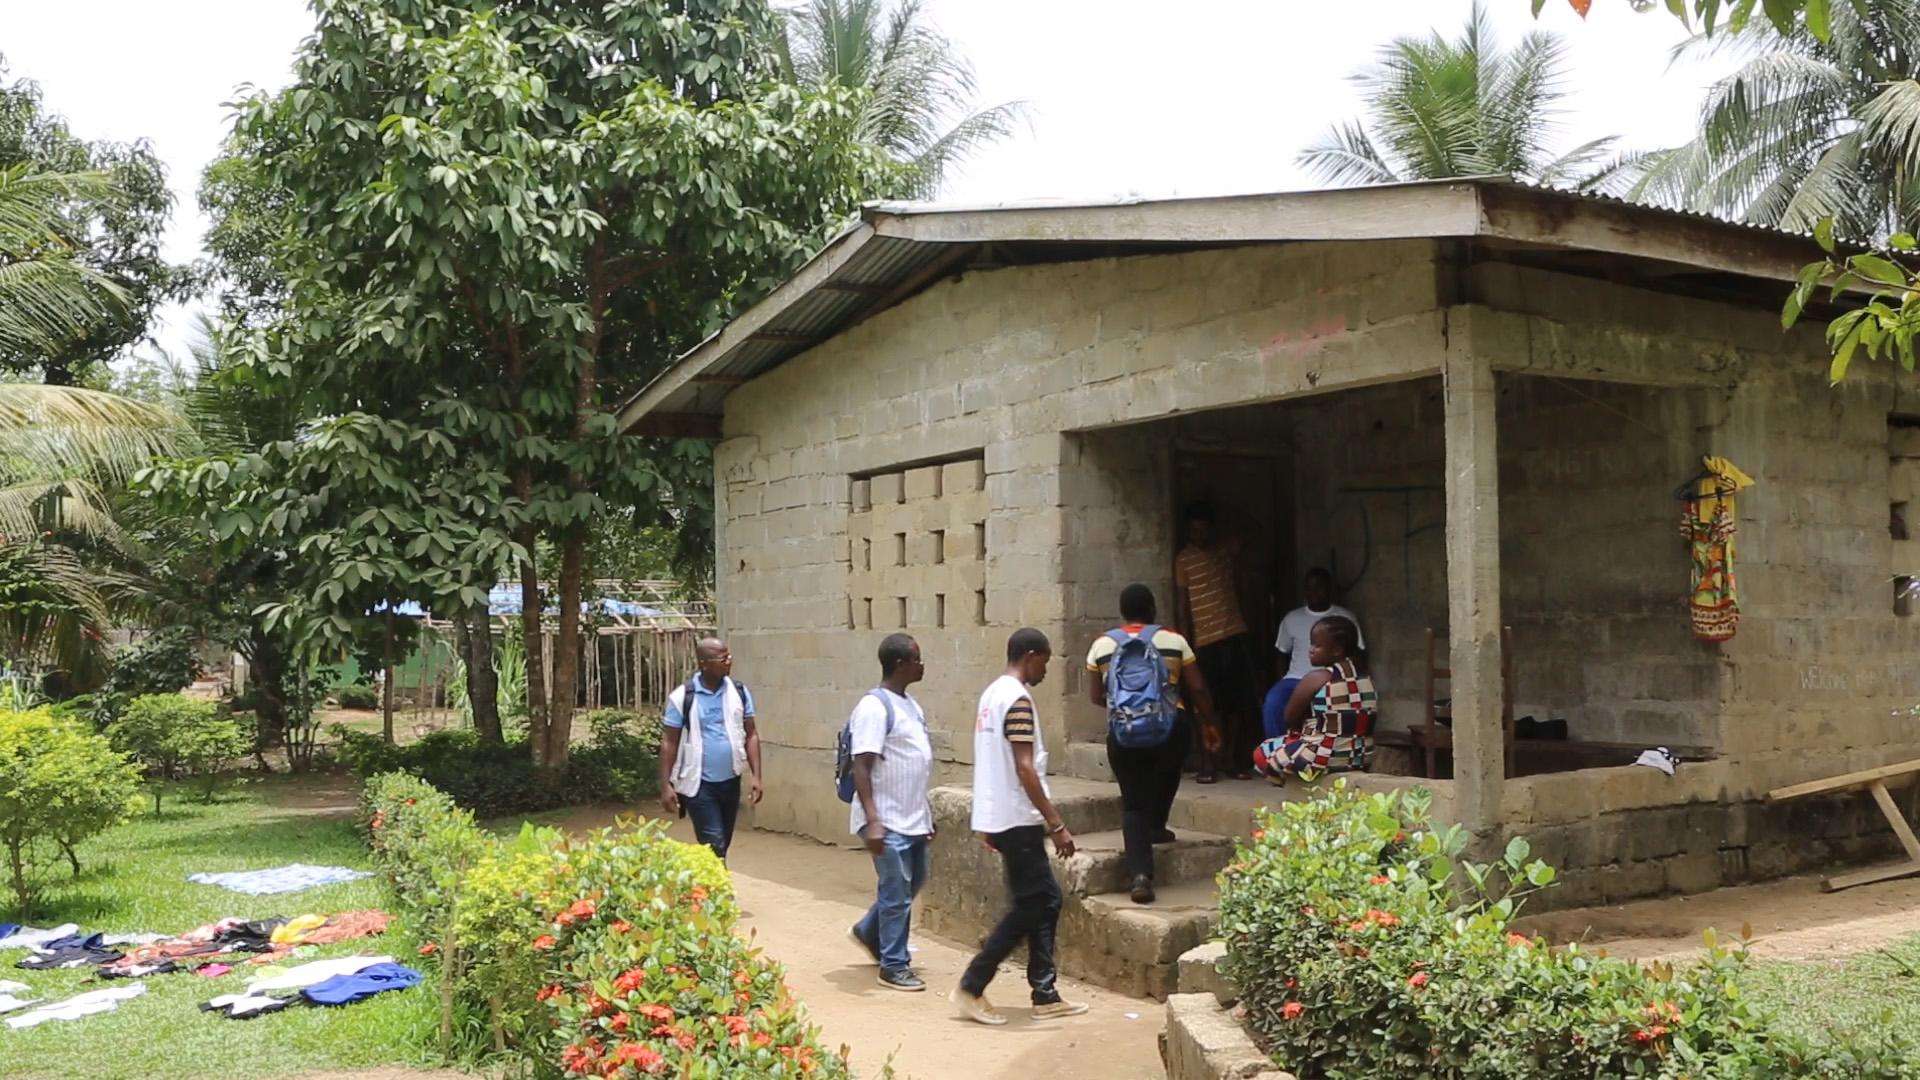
column 1330, row 716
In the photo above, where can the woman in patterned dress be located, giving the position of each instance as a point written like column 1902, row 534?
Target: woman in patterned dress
column 1330, row 716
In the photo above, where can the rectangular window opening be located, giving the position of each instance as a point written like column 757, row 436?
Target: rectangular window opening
column 940, row 609
column 899, row 549
column 980, row 540
column 980, row 607
column 866, row 554
column 869, row 603
column 903, row 611
column 939, row 546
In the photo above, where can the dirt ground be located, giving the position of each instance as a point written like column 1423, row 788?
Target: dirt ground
column 1791, row 919
column 798, row 899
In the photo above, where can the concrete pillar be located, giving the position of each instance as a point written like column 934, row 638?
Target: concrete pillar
column 1473, row 590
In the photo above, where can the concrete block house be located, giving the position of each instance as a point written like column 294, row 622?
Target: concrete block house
column 1472, row 400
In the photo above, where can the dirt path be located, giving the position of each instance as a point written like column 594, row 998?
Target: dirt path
column 799, row 898
column 1791, row 920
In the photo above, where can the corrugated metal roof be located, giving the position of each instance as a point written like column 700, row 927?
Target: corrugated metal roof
column 898, row 248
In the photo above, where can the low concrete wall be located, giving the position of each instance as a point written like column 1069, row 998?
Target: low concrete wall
column 1204, row 1041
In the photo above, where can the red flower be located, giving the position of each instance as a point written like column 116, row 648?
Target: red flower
column 582, row 909
column 761, row 1038
column 1292, row 1010
column 629, row 980
column 661, row 1031
column 544, row 942
column 1292, row 983
column 429, row 949
column 1380, row 879
column 683, row 1039
column 548, row 993
column 620, row 1023
column 736, row 1025
column 644, row 1058
column 1259, row 834
column 1418, row 980
column 1518, row 940
column 621, row 926
column 657, row 1013
column 699, row 894
column 597, row 1005
column 1386, row 919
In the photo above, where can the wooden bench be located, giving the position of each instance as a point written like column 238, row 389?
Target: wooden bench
column 1875, row 781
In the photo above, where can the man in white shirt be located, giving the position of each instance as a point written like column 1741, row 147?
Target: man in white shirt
column 892, row 767
column 1014, row 814
column 1292, row 646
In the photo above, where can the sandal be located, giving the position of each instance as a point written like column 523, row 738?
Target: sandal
column 1205, row 776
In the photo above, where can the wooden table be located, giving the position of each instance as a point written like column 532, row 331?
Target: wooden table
column 1875, row 781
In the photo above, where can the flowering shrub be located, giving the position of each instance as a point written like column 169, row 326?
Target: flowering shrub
column 1364, row 945
column 612, row 956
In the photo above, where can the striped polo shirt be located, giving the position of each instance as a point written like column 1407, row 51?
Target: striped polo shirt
column 904, row 770
column 1212, row 598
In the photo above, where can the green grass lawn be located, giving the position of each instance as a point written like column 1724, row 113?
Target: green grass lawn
column 1847, row 1001
column 134, row 878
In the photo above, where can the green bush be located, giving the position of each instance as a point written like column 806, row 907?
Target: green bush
column 180, row 736
column 164, row 662
column 1364, row 945
column 59, row 784
column 618, row 763
column 615, row 951
column 357, row 696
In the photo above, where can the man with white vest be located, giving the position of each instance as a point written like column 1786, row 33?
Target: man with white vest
column 708, row 741
column 1014, row 814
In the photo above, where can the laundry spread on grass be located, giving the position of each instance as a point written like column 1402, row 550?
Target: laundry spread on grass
column 293, row 877
column 343, row 980
column 73, row 1008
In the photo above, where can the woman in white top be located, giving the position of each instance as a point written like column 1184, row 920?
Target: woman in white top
column 1014, row 813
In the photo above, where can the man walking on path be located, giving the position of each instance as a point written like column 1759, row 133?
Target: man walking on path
column 1015, row 815
column 1148, row 772
column 707, row 742
column 892, row 768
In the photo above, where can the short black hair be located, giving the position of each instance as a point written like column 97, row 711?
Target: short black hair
column 1342, row 631
column 1320, row 573
column 1136, row 603
column 1200, row 511
column 895, row 649
column 1027, row 640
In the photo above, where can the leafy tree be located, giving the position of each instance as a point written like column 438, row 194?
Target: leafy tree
column 1808, row 128
column 179, row 736
column 503, row 219
column 109, row 227
column 919, row 93
column 1784, row 15
column 59, row 784
column 1438, row 108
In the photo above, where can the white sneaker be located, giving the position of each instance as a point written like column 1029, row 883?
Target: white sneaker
column 1057, row 1009
column 975, row 1007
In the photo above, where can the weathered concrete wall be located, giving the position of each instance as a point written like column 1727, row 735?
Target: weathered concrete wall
column 1001, row 364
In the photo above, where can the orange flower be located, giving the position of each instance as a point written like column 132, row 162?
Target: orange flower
column 736, row 1025
column 429, row 949
column 1386, row 919
column 621, row 926
column 1292, row 1010
column 1380, row 879
column 620, row 1023
column 597, row 1005
column 699, row 894
column 548, row 993
column 657, row 1013
column 1518, row 940
column 544, row 942
column 761, row 1038
column 1259, row 834
column 1418, row 980
column 683, row 1039
column 629, row 980
column 644, row 1058
column 582, row 909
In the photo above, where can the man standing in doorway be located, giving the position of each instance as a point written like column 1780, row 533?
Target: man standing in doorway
column 1015, row 815
column 708, row 741
column 1207, row 601
column 1292, row 645
column 892, row 768
column 1148, row 773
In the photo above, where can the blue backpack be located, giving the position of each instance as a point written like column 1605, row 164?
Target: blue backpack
column 1140, row 711
column 843, row 749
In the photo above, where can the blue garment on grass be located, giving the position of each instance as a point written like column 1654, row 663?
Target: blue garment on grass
column 290, row 878
column 361, row 985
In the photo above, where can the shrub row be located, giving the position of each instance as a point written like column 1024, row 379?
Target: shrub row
column 619, row 762
column 1364, row 945
column 614, row 955
column 59, row 785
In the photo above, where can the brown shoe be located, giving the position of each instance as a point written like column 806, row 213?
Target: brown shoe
column 1055, row 1010
column 974, row 1007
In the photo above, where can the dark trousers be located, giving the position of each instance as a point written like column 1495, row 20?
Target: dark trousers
column 1034, row 919
column 1149, row 778
column 1228, row 668
column 713, row 811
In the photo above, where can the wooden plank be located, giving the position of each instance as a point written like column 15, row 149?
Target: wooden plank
column 1844, row 781
column 1868, row 877
column 1896, row 819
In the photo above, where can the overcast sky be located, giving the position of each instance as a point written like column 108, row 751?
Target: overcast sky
column 1126, row 96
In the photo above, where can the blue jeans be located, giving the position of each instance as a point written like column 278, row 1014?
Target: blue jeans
column 1273, row 711
column 902, row 869
column 713, row 811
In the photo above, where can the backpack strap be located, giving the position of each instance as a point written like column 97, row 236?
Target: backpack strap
column 885, row 703
column 739, row 691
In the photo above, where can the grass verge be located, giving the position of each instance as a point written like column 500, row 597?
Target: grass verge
column 134, row 878
column 1844, row 1001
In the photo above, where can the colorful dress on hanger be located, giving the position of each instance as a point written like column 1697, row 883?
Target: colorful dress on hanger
column 1707, row 525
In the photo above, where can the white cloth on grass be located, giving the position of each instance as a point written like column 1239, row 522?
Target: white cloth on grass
column 290, row 878
column 237, row 1006
column 132, row 939
column 305, row 975
column 27, row 937
column 73, row 1008
column 9, row 1003
column 8, row 986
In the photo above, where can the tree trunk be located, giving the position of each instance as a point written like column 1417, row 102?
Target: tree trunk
column 267, row 668
column 386, row 684
column 22, row 895
column 532, row 634
column 73, row 857
column 566, row 645
column 483, row 683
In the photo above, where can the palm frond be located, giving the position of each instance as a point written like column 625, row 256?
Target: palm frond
column 1345, row 155
column 49, row 432
column 1892, row 124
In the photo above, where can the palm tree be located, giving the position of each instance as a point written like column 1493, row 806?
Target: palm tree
column 48, row 298
column 920, row 92
column 1807, row 129
column 1437, row 108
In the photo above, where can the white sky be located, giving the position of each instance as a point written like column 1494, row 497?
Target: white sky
column 1125, row 96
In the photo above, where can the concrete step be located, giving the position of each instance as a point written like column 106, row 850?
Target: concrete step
column 1099, row 864
column 1110, row 940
